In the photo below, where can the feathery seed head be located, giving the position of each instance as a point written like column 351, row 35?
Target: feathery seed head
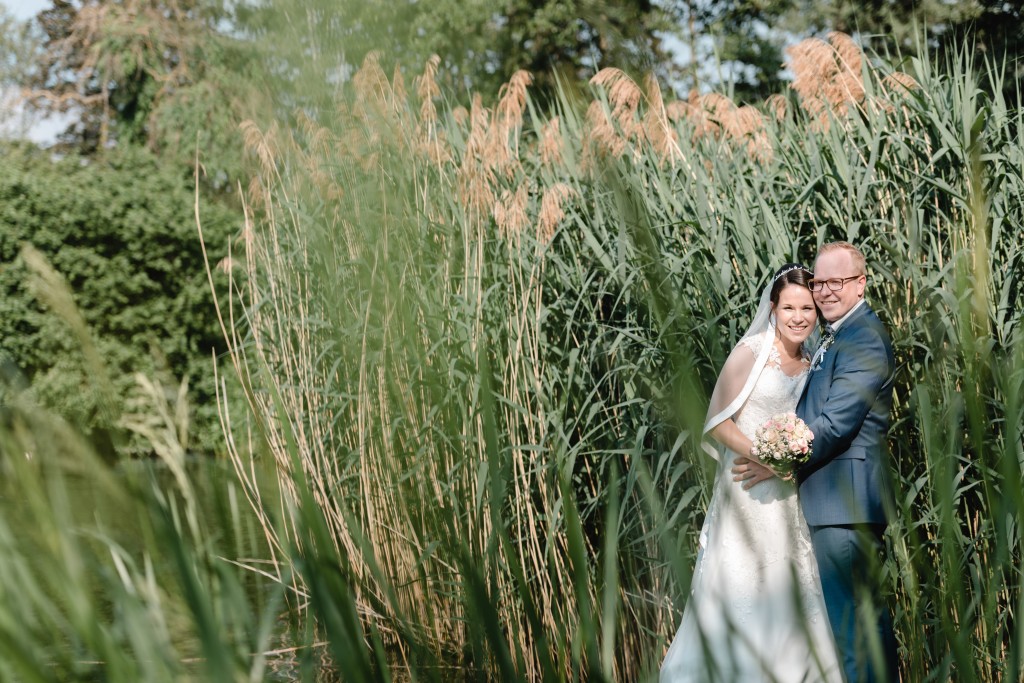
column 510, row 212
column 399, row 98
column 370, row 81
column 476, row 174
column 623, row 95
column 262, row 145
column 658, row 131
column 778, row 106
column 551, row 143
column 899, row 83
column 426, row 84
column 552, row 210
column 427, row 90
column 612, row 133
column 502, row 147
column 828, row 76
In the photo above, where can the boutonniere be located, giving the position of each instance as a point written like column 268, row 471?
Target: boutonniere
column 826, row 341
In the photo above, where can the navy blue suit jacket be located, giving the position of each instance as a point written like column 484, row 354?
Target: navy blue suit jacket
column 846, row 404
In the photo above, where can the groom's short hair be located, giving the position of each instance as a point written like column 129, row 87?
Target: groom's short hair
column 859, row 262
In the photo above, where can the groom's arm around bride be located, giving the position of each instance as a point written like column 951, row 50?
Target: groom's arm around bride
column 845, row 490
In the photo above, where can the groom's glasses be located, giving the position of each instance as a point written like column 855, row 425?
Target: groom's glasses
column 835, row 284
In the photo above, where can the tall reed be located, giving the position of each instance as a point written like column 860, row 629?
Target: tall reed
column 479, row 344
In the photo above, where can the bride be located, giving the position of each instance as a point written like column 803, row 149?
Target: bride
column 756, row 611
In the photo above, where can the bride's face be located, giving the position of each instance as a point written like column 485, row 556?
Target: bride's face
column 795, row 313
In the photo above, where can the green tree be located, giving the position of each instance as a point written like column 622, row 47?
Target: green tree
column 120, row 230
column 480, row 43
column 161, row 73
column 18, row 48
column 575, row 38
column 994, row 28
column 731, row 44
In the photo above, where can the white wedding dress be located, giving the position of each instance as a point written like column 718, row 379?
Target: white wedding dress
column 755, row 610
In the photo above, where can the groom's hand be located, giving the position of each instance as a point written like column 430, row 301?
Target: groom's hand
column 750, row 472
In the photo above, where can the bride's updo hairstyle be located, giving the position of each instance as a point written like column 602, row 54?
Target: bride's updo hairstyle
column 789, row 274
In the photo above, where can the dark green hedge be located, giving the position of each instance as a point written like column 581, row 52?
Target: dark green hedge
column 121, row 230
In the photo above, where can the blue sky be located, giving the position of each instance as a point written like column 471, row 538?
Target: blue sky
column 23, row 9
column 43, row 130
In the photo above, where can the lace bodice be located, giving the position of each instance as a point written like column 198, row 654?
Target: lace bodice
column 775, row 392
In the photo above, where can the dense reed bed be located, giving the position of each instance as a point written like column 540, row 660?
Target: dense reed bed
column 478, row 344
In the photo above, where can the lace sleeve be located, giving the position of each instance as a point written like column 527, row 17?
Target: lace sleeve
column 734, row 375
column 753, row 343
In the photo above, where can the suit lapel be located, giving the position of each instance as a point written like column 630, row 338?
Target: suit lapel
column 827, row 365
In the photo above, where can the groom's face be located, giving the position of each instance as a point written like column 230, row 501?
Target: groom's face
column 837, row 265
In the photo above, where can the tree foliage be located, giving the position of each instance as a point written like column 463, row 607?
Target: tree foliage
column 733, row 44
column 18, row 49
column 156, row 72
column 993, row 28
column 739, row 44
column 121, row 231
column 480, row 43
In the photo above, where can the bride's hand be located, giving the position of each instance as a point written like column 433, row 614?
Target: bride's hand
column 750, row 472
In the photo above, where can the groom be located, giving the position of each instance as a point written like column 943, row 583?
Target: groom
column 844, row 491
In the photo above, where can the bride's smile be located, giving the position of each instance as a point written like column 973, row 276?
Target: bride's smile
column 795, row 316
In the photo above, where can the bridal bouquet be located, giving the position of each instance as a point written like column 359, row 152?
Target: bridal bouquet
column 783, row 443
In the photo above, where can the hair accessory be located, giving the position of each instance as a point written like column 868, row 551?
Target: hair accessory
column 789, row 270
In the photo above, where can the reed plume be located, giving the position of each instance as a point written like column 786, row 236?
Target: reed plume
column 847, row 84
column 510, row 211
column 745, row 126
column 371, row 85
column 551, row 144
column 431, row 137
column 502, row 151
column 702, row 113
column 894, row 90
column 624, row 96
column 778, row 106
column 619, row 130
column 476, row 173
column 262, row 144
column 658, row 131
column 552, row 210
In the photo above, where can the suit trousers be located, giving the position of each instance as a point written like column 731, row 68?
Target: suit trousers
column 848, row 560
